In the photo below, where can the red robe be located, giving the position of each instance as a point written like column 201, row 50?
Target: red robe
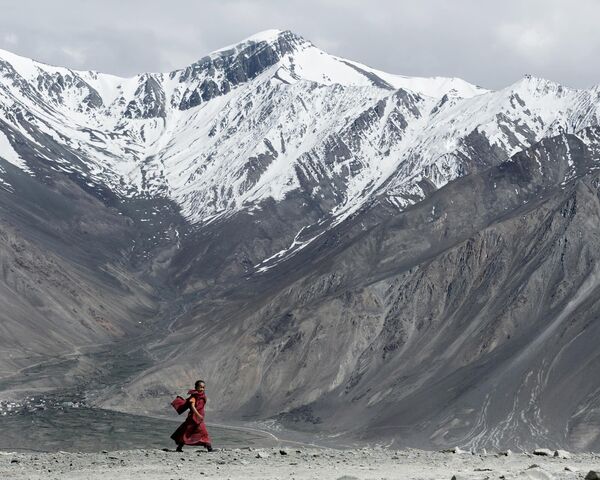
column 192, row 431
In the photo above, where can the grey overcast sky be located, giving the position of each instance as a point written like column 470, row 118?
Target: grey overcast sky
column 490, row 43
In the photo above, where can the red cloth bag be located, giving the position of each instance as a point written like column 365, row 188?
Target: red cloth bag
column 180, row 404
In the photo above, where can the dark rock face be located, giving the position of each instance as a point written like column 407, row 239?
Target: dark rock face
column 56, row 85
column 8, row 73
column 256, row 166
column 150, row 100
column 235, row 67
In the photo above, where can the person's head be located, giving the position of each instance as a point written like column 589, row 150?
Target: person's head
column 200, row 385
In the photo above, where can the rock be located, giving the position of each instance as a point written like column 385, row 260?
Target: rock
column 282, row 452
column 14, row 460
column 262, row 455
column 466, row 476
column 593, row 475
column 570, row 468
column 544, row 452
column 562, row 454
column 456, row 450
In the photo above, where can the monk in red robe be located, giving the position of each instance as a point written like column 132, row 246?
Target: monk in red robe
column 193, row 430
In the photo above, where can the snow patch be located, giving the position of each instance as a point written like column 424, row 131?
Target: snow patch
column 8, row 153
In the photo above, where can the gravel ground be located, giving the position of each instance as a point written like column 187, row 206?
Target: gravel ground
column 290, row 463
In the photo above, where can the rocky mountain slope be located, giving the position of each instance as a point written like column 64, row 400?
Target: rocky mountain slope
column 336, row 249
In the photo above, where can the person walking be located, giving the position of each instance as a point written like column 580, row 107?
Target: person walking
column 193, row 430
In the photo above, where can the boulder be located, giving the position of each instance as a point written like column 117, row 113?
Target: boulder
column 456, row 450
column 562, row 454
column 543, row 452
column 593, row 475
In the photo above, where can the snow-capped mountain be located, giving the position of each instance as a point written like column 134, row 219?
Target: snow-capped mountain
column 270, row 115
column 350, row 250
column 248, row 122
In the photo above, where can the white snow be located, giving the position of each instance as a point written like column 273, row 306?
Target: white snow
column 269, row 35
column 8, row 153
column 25, row 67
column 431, row 86
column 311, row 114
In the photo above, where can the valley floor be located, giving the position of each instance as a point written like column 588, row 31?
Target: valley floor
column 290, row 463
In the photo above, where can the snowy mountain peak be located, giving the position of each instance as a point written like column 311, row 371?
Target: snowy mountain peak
column 538, row 85
column 268, row 116
column 266, row 35
column 297, row 59
column 270, row 37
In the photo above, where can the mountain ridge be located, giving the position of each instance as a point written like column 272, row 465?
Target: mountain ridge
column 348, row 256
column 340, row 151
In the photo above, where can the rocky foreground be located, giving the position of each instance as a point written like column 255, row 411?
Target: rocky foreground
column 292, row 463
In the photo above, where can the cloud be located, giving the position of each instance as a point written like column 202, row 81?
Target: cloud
column 532, row 42
column 10, row 39
column 76, row 55
column 488, row 43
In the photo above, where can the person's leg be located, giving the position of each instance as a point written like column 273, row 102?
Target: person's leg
column 179, row 448
column 209, row 447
